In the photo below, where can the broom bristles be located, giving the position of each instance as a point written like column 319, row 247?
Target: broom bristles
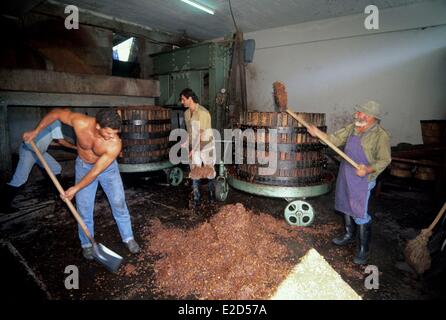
column 280, row 95
column 417, row 253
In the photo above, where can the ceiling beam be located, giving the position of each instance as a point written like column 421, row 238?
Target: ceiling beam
column 92, row 18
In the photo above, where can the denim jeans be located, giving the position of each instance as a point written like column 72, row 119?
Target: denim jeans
column 27, row 159
column 196, row 187
column 367, row 218
column 111, row 183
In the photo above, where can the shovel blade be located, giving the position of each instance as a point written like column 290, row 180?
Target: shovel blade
column 111, row 260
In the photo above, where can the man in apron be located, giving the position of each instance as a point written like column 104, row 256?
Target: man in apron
column 201, row 139
column 368, row 144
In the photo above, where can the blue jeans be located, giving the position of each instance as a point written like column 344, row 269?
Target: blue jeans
column 111, row 182
column 27, row 159
column 367, row 218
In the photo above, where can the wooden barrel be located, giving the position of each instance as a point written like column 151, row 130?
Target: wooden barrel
column 145, row 134
column 300, row 158
column 402, row 170
column 425, row 173
column 433, row 131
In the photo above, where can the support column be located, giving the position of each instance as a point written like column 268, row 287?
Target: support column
column 5, row 154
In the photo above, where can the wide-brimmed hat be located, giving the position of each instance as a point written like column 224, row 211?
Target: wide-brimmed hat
column 371, row 108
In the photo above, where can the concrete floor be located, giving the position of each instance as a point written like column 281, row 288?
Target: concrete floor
column 41, row 240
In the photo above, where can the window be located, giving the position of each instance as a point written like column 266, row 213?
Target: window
column 122, row 51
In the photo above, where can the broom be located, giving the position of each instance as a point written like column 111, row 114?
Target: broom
column 416, row 252
column 281, row 99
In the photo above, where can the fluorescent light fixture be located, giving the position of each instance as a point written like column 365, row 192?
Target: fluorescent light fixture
column 199, row 6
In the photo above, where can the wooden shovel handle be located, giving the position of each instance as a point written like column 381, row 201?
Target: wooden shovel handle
column 61, row 190
column 437, row 218
column 325, row 140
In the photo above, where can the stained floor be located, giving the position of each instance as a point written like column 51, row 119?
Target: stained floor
column 40, row 241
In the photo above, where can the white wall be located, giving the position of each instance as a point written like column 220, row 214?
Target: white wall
column 330, row 65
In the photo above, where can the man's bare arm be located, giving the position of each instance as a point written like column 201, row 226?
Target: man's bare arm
column 65, row 143
column 64, row 115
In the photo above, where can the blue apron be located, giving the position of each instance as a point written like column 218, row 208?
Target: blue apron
column 351, row 190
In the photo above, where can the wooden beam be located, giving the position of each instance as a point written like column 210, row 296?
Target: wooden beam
column 426, row 163
column 420, row 151
column 36, row 99
column 61, row 82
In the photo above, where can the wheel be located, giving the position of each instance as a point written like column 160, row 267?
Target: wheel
column 299, row 213
column 221, row 189
column 175, row 176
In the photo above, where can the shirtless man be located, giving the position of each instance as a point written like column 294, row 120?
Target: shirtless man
column 98, row 145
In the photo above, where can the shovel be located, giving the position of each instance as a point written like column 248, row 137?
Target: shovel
column 101, row 253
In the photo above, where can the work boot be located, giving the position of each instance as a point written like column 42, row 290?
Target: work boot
column 88, row 253
column 364, row 235
column 349, row 236
column 9, row 194
column 133, row 246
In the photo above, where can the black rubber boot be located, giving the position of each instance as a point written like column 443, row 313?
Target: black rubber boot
column 211, row 187
column 349, row 236
column 364, row 235
column 9, row 194
column 196, row 193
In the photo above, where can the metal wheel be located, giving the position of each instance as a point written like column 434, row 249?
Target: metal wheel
column 175, row 176
column 299, row 213
column 221, row 189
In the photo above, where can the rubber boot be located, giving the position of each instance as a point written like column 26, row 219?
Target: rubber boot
column 196, row 193
column 364, row 236
column 211, row 187
column 6, row 203
column 349, row 236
